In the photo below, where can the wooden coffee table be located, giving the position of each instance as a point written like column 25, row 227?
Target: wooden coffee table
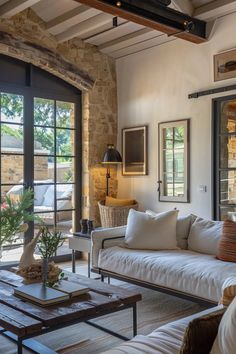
column 21, row 320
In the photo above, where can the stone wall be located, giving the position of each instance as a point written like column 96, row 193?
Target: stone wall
column 99, row 103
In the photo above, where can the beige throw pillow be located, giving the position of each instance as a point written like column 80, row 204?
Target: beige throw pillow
column 225, row 342
column 182, row 228
column 148, row 232
column 205, row 235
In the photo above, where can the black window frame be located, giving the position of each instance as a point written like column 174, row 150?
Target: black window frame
column 216, row 168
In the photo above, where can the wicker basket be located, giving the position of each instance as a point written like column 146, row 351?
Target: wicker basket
column 112, row 216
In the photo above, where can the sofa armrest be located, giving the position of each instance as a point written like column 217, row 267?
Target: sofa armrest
column 104, row 238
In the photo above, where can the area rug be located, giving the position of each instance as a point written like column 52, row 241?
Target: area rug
column 153, row 311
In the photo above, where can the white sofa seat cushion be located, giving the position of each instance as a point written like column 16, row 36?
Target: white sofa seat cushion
column 166, row 339
column 190, row 272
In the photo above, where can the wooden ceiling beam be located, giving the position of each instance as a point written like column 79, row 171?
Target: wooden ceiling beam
column 84, row 27
column 13, row 7
column 156, row 17
column 71, row 18
column 215, row 9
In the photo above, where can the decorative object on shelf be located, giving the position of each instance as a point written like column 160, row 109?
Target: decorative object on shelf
column 84, row 226
column 225, row 65
column 134, row 151
column 48, row 244
column 90, row 226
column 14, row 216
column 111, row 157
column 173, row 183
column 112, row 216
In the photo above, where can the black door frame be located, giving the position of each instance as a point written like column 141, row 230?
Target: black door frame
column 216, row 153
column 29, row 92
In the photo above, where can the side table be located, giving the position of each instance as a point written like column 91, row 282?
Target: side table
column 80, row 242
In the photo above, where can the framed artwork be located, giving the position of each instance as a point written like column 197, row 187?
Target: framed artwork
column 225, row 65
column 174, row 161
column 134, row 151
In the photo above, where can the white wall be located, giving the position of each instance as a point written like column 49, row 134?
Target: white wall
column 153, row 86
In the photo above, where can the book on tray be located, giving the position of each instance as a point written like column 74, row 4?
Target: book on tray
column 71, row 288
column 41, row 294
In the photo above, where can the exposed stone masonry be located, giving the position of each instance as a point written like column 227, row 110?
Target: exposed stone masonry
column 99, row 103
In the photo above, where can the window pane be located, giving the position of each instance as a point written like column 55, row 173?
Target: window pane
column 228, row 187
column 12, row 138
column 227, row 213
column 43, row 169
column 44, row 141
column 64, row 114
column 44, row 198
column 179, row 137
column 43, row 111
column 228, row 151
column 65, row 142
column 168, row 161
column 14, row 192
column 168, row 185
column 64, row 221
column 65, row 196
column 12, row 108
column 168, row 138
column 12, row 169
column 228, row 116
column 179, row 160
column 65, row 169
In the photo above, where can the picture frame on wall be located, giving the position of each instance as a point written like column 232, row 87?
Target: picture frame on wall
column 174, row 161
column 134, row 151
column 225, row 65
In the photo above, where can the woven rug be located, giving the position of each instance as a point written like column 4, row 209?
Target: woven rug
column 153, row 311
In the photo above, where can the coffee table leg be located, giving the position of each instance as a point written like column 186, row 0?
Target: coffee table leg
column 88, row 265
column 19, row 346
column 135, row 319
column 73, row 261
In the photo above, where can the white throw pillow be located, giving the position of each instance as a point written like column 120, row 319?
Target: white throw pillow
column 225, row 342
column 48, row 199
column 144, row 231
column 182, row 228
column 204, row 236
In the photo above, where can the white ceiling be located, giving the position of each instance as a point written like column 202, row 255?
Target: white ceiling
column 67, row 19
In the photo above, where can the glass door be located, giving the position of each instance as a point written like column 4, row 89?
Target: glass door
column 224, row 168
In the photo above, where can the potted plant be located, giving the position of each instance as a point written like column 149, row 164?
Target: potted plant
column 14, row 217
column 48, row 244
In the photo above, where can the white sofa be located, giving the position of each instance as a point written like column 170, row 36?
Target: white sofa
column 167, row 339
column 182, row 272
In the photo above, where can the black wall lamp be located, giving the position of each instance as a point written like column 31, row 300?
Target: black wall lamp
column 111, row 157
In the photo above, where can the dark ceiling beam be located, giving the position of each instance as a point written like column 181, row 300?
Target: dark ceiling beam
column 153, row 15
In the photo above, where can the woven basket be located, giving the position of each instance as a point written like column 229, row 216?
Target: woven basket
column 112, row 216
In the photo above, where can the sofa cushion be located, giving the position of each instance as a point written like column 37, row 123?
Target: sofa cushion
column 227, row 245
column 201, row 333
column 182, row 228
column 225, row 342
column 190, row 272
column 48, row 199
column 204, row 236
column 39, row 192
column 166, row 339
column 147, row 232
column 118, row 202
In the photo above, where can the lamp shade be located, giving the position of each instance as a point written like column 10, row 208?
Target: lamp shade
column 111, row 155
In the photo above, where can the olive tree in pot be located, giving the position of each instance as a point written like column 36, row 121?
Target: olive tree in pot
column 48, row 244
